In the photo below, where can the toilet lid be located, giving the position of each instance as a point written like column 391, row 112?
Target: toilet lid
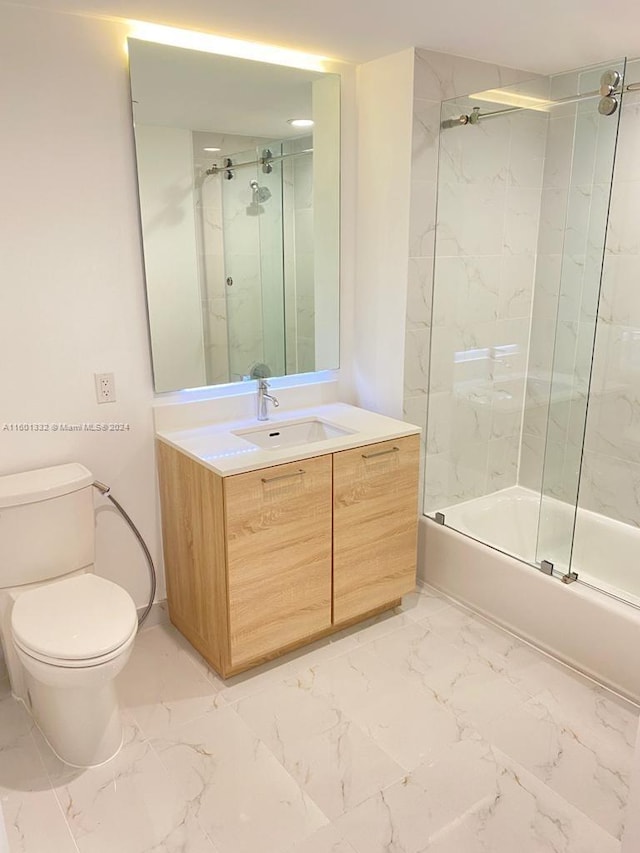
column 75, row 619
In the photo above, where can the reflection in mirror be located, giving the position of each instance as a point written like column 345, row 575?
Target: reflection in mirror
column 240, row 212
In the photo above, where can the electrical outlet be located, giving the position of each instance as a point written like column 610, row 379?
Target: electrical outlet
column 105, row 387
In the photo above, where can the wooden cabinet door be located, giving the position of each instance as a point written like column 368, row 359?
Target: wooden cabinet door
column 278, row 556
column 375, row 525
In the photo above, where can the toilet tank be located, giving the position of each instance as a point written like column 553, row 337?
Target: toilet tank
column 47, row 524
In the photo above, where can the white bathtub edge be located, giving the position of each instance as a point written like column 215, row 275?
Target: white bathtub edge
column 557, row 618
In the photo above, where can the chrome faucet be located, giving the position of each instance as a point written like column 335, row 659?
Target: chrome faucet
column 262, row 400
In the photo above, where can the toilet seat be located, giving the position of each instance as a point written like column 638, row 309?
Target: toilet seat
column 81, row 621
column 77, row 663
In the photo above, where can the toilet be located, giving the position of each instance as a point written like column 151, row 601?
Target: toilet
column 66, row 633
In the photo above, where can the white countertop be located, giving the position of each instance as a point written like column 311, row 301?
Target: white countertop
column 216, row 446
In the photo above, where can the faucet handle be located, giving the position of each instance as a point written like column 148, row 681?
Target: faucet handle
column 262, row 384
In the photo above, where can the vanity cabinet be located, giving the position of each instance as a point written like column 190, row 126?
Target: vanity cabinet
column 261, row 562
column 278, row 532
column 374, row 525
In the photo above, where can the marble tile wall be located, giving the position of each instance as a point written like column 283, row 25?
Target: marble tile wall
column 610, row 482
column 489, row 195
column 550, row 269
column 577, row 175
column 209, row 201
column 269, row 214
column 299, row 257
column 289, row 238
column 242, row 265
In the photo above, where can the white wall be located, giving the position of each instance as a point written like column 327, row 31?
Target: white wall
column 385, row 93
column 165, row 176
column 72, row 296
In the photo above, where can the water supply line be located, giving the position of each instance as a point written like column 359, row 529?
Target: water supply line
column 105, row 491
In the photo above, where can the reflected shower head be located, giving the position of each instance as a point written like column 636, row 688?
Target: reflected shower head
column 260, row 194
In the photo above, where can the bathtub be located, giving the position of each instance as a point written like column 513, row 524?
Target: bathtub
column 584, row 623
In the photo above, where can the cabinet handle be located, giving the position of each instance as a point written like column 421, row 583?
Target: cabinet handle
column 298, row 473
column 380, row 453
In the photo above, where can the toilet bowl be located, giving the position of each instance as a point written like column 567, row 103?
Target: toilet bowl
column 66, row 633
column 72, row 638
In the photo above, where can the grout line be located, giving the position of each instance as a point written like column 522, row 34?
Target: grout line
column 182, row 802
column 53, row 787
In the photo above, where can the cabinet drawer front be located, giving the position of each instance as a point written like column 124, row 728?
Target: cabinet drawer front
column 278, row 556
column 375, row 524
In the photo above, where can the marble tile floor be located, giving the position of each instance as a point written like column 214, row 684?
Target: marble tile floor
column 427, row 729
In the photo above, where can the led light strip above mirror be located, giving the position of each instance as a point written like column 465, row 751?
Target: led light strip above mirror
column 175, row 37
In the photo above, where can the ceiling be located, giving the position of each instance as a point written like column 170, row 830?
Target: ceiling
column 538, row 35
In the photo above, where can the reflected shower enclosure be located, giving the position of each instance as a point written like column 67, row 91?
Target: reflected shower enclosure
column 533, row 346
column 254, row 226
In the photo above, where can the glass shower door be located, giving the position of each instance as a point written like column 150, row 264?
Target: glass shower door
column 254, row 264
column 490, row 179
column 242, row 269
column 582, row 186
column 605, row 548
column 270, row 213
column 523, row 186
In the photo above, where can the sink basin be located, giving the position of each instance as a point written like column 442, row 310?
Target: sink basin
column 277, row 435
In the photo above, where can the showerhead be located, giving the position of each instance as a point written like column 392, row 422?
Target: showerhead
column 260, row 194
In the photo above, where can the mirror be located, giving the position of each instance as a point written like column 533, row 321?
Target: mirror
column 240, row 212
